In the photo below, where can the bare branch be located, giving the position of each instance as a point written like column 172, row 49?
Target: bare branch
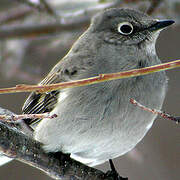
column 15, row 144
column 92, row 80
column 48, row 8
column 17, row 118
column 14, row 14
column 30, row 31
column 36, row 6
column 155, row 111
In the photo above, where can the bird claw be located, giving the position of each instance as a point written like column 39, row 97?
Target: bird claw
column 114, row 175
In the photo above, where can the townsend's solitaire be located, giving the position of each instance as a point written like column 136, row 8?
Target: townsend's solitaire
column 97, row 122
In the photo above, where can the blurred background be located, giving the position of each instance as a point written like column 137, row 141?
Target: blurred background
column 36, row 34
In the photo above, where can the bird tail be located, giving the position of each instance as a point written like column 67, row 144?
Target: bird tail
column 4, row 159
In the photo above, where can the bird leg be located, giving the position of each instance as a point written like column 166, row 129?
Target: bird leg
column 113, row 173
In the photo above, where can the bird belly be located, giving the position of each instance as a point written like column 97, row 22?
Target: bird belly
column 98, row 132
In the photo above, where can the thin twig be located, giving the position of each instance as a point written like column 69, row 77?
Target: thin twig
column 41, row 6
column 48, row 8
column 15, row 14
column 155, row 111
column 17, row 118
column 92, row 80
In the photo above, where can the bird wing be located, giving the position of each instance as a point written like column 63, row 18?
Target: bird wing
column 69, row 68
column 38, row 103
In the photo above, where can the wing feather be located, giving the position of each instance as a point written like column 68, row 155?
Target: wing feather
column 69, row 68
column 38, row 103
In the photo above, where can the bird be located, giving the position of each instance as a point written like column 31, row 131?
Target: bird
column 97, row 123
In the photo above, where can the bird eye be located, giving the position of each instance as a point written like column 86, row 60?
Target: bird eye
column 125, row 28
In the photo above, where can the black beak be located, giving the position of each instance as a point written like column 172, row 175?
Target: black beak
column 160, row 24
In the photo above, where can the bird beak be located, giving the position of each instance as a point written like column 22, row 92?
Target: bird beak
column 160, row 24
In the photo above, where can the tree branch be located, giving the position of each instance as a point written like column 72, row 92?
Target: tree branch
column 17, row 13
column 155, row 111
column 17, row 118
column 41, row 5
column 29, row 31
column 92, row 80
column 15, row 144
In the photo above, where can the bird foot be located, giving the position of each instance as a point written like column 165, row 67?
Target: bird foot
column 115, row 176
column 113, row 173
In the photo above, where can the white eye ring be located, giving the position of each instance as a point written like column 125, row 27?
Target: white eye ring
column 125, row 28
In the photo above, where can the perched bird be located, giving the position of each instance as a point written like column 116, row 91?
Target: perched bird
column 97, row 122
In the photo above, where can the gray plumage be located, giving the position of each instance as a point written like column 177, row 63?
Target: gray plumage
column 97, row 122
